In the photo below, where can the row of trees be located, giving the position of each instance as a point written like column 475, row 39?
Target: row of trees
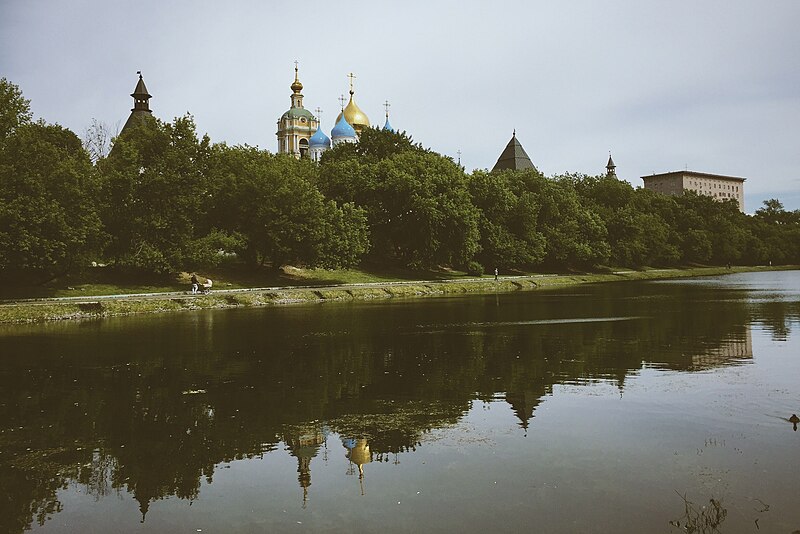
column 165, row 200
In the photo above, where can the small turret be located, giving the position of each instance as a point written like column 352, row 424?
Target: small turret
column 611, row 169
column 141, row 96
column 141, row 105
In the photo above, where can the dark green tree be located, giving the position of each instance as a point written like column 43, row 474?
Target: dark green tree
column 49, row 224
column 15, row 110
column 417, row 202
column 509, row 237
column 155, row 194
column 777, row 234
column 576, row 235
column 273, row 202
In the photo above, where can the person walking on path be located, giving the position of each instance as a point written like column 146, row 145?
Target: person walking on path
column 195, row 284
column 495, row 274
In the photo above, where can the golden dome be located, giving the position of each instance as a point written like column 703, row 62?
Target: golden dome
column 296, row 85
column 354, row 116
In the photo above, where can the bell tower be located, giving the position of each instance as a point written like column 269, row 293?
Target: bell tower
column 297, row 125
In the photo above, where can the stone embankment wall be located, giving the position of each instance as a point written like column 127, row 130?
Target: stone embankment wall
column 109, row 306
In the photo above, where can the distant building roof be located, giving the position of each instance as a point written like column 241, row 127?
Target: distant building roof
column 513, row 157
column 692, row 173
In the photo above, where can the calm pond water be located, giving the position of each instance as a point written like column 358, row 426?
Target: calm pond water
column 603, row 408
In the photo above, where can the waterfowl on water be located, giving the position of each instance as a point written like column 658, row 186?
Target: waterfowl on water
column 794, row 419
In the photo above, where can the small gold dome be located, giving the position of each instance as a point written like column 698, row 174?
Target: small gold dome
column 354, row 116
column 296, row 85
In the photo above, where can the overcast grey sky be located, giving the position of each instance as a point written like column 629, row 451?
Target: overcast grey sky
column 712, row 86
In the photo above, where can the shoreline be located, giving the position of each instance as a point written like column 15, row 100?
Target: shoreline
column 30, row 311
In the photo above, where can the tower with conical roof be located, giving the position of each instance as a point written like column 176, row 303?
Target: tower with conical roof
column 297, row 125
column 513, row 157
column 352, row 113
column 140, row 112
column 611, row 169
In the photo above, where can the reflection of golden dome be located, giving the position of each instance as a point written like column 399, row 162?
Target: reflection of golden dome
column 354, row 116
column 360, row 454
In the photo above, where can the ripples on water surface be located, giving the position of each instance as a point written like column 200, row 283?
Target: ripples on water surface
column 590, row 409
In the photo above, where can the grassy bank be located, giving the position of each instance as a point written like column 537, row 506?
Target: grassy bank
column 232, row 297
column 101, row 281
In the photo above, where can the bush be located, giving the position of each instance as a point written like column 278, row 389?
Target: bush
column 474, row 268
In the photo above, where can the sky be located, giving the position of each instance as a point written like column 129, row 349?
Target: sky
column 705, row 85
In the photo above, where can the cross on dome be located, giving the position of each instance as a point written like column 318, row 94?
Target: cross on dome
column 296, row 85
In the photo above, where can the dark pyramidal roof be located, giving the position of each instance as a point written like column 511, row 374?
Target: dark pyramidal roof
column 141, row 107
column 513, row 157
column 611, row 168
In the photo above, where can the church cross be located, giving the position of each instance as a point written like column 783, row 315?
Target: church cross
column 386, row 106
column 342, row 100
column 352, row 77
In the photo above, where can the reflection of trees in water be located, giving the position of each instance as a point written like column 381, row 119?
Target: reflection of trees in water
column 776, row 316
column 151, row 406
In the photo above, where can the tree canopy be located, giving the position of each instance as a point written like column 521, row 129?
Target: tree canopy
column 49, row 219
column 165, row 199
column 417, row 202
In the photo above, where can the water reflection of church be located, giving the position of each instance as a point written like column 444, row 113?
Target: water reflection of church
column 304, row 443
column 376, row 403
column 523, row 396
